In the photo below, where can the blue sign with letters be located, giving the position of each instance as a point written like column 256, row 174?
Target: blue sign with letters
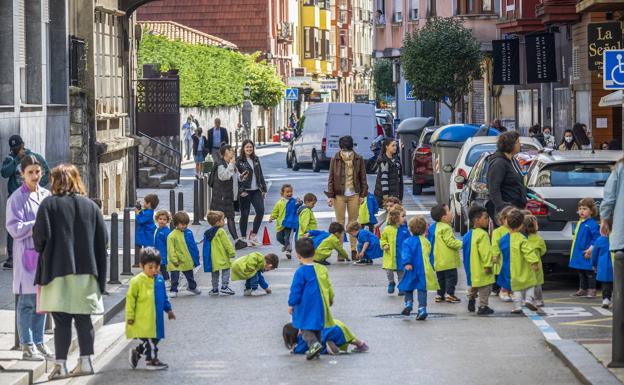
column 292, row 93
column 613, row 69
column 408, row 91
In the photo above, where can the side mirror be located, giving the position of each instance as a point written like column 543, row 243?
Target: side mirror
column 459, row 179
column 448, row 168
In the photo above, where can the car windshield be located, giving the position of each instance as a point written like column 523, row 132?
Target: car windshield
column 573, row 175
column 426, row 138
column 476, row 151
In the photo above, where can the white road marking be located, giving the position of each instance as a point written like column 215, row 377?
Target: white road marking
column 547, row 331
column 566, row 312
column 603, row 311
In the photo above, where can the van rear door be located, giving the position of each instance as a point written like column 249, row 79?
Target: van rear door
column 363, row 128
column 338, row 125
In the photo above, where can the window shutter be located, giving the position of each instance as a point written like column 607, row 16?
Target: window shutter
column 21, row 33
column 45, row 11
column 576, row 65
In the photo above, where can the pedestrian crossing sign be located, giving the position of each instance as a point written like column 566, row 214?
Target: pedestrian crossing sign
column 292, row 93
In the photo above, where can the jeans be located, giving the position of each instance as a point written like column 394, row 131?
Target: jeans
column 587, row 279
column 63, row 333
column 482, row 292
column 187, row 148
column 390, row 276
column 175, row 279
column 607, row 290
column 422, row 298
column 522, row 296
column 225, row 279
column 30, row 325
column 311, row 337
column 149, row 347
column 283, row 237
column 447, row 280
column 255, row 281
column 352, row 205
column 254, row 198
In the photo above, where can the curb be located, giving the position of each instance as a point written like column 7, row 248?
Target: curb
column 582, row 363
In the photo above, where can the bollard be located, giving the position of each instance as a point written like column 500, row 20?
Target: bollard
column 172, row 208
column 180, row 201
column 208, row 191
column 202, row 199
column 114, row 253
column 196, row 202
column 126, row 243
column 617, row 346
column 137, row 253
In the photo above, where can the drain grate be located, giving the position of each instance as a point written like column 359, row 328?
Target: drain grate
column 401, row 316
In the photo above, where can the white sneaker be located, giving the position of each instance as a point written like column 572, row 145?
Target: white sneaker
column 173, row 294
column 30, row 353
column 247, row 292
column 195, row 291
column 253, row 240
column 606, row 303
column 45, row 351
column 84, row 367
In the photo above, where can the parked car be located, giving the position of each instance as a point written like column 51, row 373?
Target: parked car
column 563, row 178
column 323, row 124
column 468, row 156
column 386, row 120
column 422, row 168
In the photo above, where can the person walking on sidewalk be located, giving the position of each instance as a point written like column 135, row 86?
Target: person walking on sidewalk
column 188, row 129
column 252, row 190
column 216, row 137
column 199, row 150
column 21, row 211
column 11, row 169
column 71, row 237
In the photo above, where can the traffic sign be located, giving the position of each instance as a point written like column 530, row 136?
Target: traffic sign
column 292, row 93
column 613, row 69
column 329, row 84
column 300, row 81
column 408, row 91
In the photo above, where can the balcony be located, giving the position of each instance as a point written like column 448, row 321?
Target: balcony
column 516, row 22
column 598, row 6
column 557, row 11
column 285, row 32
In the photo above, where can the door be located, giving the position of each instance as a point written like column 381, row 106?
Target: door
column 561, row 112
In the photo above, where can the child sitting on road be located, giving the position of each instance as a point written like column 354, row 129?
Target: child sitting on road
column 250, row 268
column 368, row 211
column 217, row 251
column 311, row 295
column 445, row 253
column 368, row 246
column 146, row 301
column 419, row 274
column 602, row 261
column 531, row 229
column 307, row 221
column 285, row 214
column 144, row 222
column 335, row 339
column 181, row 248
column 497, row 234
column 586, row 232
column 332, row 242
column 160, row 239
column 478, row 261
column 389, row 245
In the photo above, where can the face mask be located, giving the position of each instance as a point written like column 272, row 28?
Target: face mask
column 569, row 139
column 546, row 135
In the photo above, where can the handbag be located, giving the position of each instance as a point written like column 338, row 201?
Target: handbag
column 30, row 258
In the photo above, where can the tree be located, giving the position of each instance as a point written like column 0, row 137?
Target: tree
column 267, row 89
column 441, row 60
column 382, row 74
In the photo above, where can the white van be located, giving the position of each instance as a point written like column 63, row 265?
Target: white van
column 323, row 124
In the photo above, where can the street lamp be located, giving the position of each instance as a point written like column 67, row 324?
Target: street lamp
column 247, row 91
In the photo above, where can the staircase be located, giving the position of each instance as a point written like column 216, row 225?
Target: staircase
column 159, row 173
column 150, row 177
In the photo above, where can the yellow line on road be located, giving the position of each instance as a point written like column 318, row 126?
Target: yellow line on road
column 569, row 301
column 589, row 323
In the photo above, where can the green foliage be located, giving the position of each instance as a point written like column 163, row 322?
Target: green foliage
column 382, row 74
column 441, row 60
column 212, row 76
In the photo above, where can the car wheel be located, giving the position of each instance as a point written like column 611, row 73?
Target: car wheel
column 295, row 164
column 316, row 167
column 288, row 159
column 416, row 188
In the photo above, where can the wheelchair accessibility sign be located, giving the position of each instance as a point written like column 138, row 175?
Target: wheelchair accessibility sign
column 613, row 70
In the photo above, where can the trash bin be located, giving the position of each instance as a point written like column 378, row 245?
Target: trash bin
column 409, row 130
column 446, row 143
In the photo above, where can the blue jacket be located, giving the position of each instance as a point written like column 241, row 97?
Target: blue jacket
column 318, row 236
column 160, row 243
column 333, row 333
column 411, row 253
column 374, row 249
column 585, row 235
column 307, row 300
column 192, row 246
column 207, row 248
column 145, row 227
column 402, row 235
column 162, row 305
column 373, row 208
column 291, row 218
column 602, row 261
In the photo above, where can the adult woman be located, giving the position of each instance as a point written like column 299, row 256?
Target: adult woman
column 505, row 181
column 21, row 211
column 612, row 208
column 252, row 188
column 71, row 237
column 389, row 172
column 582, row 136
column 199, row 150
column 568, row 143
column 225, row 179
column 346, row 184
column 549, row 139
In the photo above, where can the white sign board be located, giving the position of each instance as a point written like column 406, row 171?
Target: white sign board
column 300, row 81
column 330, row 84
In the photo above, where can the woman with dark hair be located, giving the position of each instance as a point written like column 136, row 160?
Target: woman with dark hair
column 568, row 142
column 225, row 178
column 199, row 150
column 389, row 181
column 581, row 136
column 252, row 190
column 71, row 237
column 505, row 181
column 346, row 185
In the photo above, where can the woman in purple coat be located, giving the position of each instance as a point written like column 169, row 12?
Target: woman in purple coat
column 21, row 212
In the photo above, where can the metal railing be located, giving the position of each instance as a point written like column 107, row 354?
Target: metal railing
column 176, row 168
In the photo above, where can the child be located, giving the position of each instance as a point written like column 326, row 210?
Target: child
column 602, row 261
column 307, row 221
column 519, row 264
column 419, row 274
column 531, row 229
column 586, row 232
column 368, row 246
column 250, row 268
column 217, row 251
column 478, row 261
column 335, row 339
column 180, row 253
column 160, row 239
column 311, row 295
column 388, row 242
column 332, row 242
column 445, row 253
column 497, row 234
column 146, row 300
column 388, row 203
column 144, row 222
column 285, row 215
column 368, row 209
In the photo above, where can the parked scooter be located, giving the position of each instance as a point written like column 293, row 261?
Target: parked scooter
column 371, row 164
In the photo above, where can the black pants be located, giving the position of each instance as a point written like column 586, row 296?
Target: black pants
column 164, row 272
column 149, row 348
column 311, row 337
column 175, row 279
column 254, row 198
column 231, row 225
column 607, row 290
column 9, row 246
column 587, row 279
column 283, row 237
column 63, row 333
column 447, row 280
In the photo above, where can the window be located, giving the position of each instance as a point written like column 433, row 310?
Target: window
column 57, row 41
column 397, row 11
column 413, row 11
column 574, row 175
column 6, row 52
column 475, row 152
column 310, row 3
column 31, row 72
column 307, row 46
column 109, row 67
column 474, row 7
column 323, row 4
column 343, row 39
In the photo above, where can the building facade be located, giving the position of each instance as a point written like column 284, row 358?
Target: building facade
column 363, row 15
column 342, row 31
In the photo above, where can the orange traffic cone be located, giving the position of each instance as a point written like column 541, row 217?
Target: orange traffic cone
column 266, row 240
column 377, row 233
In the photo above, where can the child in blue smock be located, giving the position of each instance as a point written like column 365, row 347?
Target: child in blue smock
column 335, row 339
column 602, row 262
column 586, row 232
column 311, row 295
column 160, row 239
column 368, row 211
column 144, row 222
column 368, row 246
column 285, row 214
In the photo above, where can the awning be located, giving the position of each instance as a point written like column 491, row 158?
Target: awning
column 614, row 99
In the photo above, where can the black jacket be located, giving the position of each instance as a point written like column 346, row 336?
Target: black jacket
column 243, row 165
column 71, row 237
column 195, row 139
column 505, row 183
column 224, row 138
column 222, row 192
column 395, row 178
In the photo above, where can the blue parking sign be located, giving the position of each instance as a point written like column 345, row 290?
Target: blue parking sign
column 613, row 69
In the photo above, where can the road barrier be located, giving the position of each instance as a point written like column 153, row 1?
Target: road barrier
column 617, row 344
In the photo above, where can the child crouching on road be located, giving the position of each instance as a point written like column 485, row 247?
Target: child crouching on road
column 250, row 268
column 146, row 301
column 368, row 247
column 335, row 339
column 332, row 241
